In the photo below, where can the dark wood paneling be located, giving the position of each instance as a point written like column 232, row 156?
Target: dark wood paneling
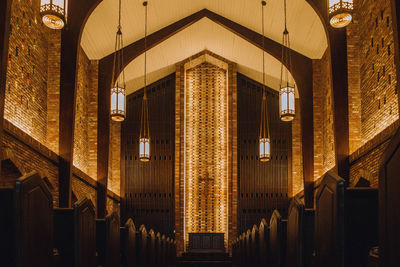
column 263, row 187
column 389, row 209
column 149, row 193
column 255, row 246
column 5, row 16
column 277, row 240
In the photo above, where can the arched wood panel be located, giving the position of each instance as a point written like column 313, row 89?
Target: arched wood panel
column 264, row 243
column 149, row 186
column 85, row 233
column 389, row 209
column 128, row 244
column 277, row 240
column 263, row 187
column 33, row 222
column 329, row 222
column 142, row 254
column 255, row 246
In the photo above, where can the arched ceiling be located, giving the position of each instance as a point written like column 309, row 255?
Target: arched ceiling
column 307, row 32
column 202, row 35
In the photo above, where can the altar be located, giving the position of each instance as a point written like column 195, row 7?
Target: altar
column 206, row 242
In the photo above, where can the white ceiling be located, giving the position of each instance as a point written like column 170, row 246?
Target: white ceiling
column 306, row 30
column 202, row 35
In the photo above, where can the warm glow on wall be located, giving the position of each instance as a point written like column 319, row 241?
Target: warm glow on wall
column 206, row 150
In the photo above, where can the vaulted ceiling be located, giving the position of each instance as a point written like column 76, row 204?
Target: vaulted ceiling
column 306, row 30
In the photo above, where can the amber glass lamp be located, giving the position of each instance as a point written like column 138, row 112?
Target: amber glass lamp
column 340, row 13
column 54, row 13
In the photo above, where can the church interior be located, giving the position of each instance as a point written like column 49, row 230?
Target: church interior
column 168, row 133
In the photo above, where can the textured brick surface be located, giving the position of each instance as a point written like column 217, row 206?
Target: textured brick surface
column 114, row 170
column 296, row 185
column 324, row 144
column 26, row 92
column 202, row 84
column 86, row 116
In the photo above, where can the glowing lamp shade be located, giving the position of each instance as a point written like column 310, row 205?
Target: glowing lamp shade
column 265, row 151
column 54, row 13
column 118, row 104
column 287, row 103
column 144, row 149
column 340, row 13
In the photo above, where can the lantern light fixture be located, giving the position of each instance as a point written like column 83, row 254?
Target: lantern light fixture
column 144, row 138
column 340, row 13
column 264, row 141
column 287, row 84
column 118, row 86
column 54, row 13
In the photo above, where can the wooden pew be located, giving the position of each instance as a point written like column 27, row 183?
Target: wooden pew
column 173, row 255
column 151, row 248
column 108, row 241
column 389, row 209
column 248, row 247
column 142, row 255
column 277, row 240
column 128, row 244
column 164, row 250
column 75, row 235
column 26, row 223
column 168, row 251
column 159, row 259
column 264, row 243
column 254, row 246
column 300, row 235
column 345, row 223
column 243, row 249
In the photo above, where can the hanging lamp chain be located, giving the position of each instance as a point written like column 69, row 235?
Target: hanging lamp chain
column 263, row 45
column 145, row 50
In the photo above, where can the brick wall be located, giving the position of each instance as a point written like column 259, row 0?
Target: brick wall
column 324, row 144
column 85, row 115
column 296, row 185
column 373, row 101
column 53, row 90
column 365, row 161
column 379, row 106
column 26, row 89
column 30, row 155
column 114, row 171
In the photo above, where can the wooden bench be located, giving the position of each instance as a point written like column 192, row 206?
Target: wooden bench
column 108, row 241
column 264, row 242
column 26, row 224
column 75, row 235
column 389, row 199
column 345, row 223
column 300, row 235
column 142, row 255
column 128, row 244
column 254, row 246
column 277, row 240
